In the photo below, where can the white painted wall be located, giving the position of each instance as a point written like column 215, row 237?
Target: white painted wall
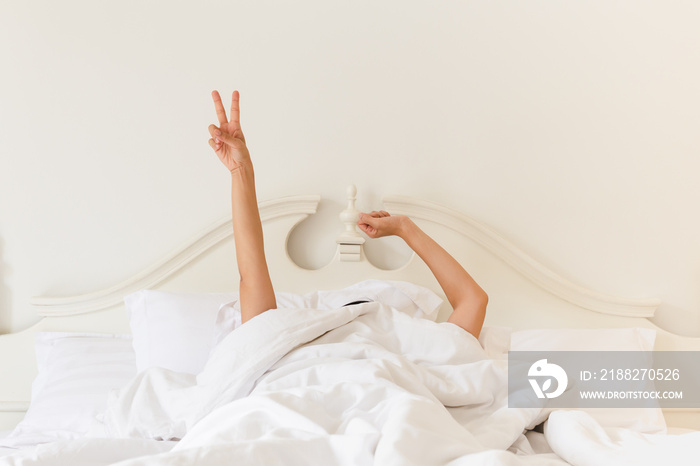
column 572, row 127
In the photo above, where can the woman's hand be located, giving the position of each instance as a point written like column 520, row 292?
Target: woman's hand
column 227, row 139
column 377, row 224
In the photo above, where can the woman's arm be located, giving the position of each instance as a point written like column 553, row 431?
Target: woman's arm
column 467, row 298
column 256, row 292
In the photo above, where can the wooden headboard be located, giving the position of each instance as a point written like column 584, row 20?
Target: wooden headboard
column 523, row 292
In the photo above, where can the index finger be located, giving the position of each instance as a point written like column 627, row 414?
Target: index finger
column 220, row 112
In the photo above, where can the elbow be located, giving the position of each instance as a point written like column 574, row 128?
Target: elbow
column 473, row 302
column 483, row 300
column 471, row 312
column 477, row 300
column 480, row 302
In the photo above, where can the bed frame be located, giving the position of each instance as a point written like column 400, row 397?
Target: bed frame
column 523, row 292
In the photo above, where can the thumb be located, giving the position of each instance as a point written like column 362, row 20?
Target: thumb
column 365, row 225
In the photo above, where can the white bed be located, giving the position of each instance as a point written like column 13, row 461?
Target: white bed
column 523, row 294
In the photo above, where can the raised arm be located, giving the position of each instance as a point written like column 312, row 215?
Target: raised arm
column 466, row 297
column 227, row 140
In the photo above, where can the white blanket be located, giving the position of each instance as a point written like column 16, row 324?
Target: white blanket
column 360, row 385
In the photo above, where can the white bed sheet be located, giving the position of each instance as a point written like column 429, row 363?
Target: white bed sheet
column 85, row 452
column 6, row 451
column 579, row 439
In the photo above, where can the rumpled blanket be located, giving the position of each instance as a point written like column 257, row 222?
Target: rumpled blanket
column 362, row 384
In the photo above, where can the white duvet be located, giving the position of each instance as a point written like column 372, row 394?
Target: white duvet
column 360, row 385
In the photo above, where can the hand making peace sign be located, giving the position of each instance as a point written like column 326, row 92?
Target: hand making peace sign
column 227, row 139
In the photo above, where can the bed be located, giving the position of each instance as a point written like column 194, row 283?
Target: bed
column 139, row 373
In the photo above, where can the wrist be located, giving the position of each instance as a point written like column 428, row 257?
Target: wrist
column 242, row 169
column 406, row 228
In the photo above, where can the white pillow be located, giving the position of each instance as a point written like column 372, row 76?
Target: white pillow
column 76, row 371
column 173, row 330
column 177, row 330
column 647, row 420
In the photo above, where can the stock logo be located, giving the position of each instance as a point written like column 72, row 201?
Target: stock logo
column 542, row 370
